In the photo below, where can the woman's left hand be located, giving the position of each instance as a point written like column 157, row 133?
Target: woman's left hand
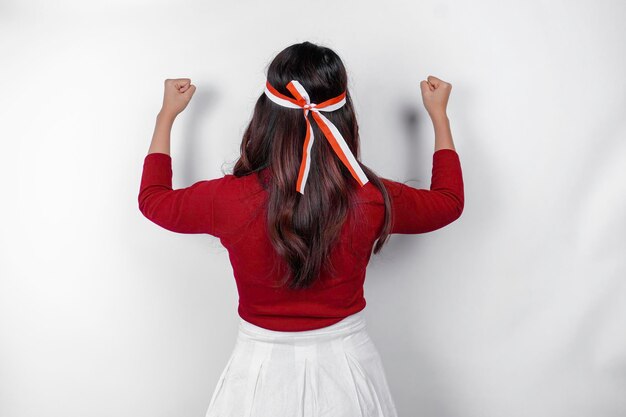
column 177, row 94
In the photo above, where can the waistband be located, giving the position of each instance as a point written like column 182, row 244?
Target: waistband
column 350, row 324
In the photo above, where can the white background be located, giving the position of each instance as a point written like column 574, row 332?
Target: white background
column 516, row 309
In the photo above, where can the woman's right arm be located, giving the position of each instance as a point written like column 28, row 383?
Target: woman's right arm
column 443, row 135
column 435, row 95
column 417, row 210
column 420, row 210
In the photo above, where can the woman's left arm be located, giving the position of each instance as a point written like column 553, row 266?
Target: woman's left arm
column 185, row 210
column 176, row 95
column 162, row 132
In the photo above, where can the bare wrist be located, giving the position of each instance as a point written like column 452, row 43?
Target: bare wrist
column 439, row 118
column 166, row 116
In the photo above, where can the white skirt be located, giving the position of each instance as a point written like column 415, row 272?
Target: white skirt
column 335, row 371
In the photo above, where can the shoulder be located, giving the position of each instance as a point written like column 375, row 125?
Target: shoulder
column 371, row 194
column 232, row 187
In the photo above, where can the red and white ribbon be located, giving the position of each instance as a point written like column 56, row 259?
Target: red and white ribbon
column 331, row 132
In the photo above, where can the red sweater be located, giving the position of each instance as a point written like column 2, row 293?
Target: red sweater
column 230, row 208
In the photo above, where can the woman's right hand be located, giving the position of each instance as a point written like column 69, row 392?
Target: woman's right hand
column 435, row 93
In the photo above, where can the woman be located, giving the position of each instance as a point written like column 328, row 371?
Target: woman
column 300, row 216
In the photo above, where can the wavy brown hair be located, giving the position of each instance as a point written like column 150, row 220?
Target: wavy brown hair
column 304, row 227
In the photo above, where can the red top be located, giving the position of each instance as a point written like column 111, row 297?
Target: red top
column 231, row 209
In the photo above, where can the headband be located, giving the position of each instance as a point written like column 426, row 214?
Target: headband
column 330, row 131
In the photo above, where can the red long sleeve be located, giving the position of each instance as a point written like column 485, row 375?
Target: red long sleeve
column 185, row 210
column 233, row 209
column 418, row 210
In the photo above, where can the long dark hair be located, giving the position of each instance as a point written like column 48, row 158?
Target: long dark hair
column 304, row 228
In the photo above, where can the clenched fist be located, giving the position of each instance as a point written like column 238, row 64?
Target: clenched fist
column 435, row 94
column 177, row 94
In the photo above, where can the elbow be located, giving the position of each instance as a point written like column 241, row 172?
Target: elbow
column 144, row 203
column 148, row 199
column 458, row 207
column 141, row 204
column 455, row 212
column 147, row 210
column 456, row 204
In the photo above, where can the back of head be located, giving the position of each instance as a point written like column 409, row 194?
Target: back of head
column 304, row 227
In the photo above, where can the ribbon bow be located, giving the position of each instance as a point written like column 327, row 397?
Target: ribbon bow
column 339, row 145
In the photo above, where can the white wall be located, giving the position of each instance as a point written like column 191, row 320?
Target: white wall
column 516, row 309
